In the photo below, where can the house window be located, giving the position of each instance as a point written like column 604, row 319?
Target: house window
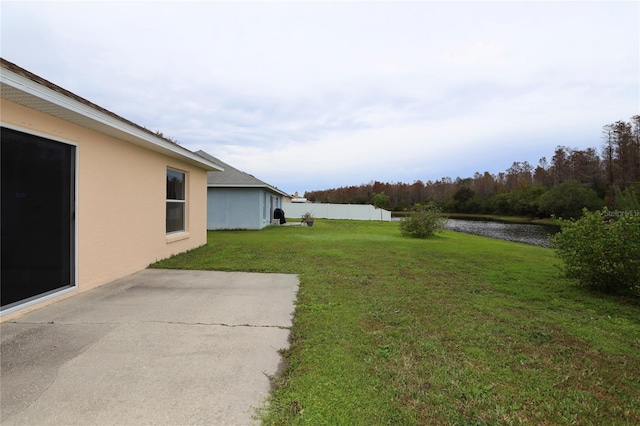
column 176, row 201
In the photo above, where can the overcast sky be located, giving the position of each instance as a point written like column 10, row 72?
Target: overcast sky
column 318, row 95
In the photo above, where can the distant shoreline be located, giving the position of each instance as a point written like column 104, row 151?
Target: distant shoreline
column 497, row 218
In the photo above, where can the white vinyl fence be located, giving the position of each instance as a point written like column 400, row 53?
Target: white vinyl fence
column 336, row 211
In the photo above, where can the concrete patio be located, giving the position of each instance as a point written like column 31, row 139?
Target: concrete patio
column 158, row 347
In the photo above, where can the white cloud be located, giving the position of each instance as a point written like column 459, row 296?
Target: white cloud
column 309, row 95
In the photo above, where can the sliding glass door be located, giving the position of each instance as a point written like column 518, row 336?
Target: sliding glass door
column 38, row 217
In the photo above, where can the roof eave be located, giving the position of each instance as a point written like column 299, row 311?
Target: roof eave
column 231, row 185
column 60, row 105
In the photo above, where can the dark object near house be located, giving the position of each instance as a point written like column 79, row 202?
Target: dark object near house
column 279, row 214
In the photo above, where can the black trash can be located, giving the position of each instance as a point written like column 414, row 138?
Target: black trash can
column 279, row 214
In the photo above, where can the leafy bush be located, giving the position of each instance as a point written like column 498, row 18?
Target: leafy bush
column 522, row 202
column 601, row 250
column 423, row 221
column 380, row 200
column 568, row 199
column 629, row 199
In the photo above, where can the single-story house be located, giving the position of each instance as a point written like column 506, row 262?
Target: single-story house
column 238, row 200
column 87, row 196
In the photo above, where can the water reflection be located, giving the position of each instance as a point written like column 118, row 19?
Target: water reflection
column 534, row 234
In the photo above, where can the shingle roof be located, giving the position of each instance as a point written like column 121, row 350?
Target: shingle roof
column 232, row 177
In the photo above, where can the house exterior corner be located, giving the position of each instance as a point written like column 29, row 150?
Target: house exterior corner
column 116, row 206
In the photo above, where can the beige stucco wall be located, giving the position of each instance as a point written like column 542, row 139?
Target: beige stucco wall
column 121, row 200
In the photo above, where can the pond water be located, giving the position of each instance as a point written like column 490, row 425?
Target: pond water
column 528, row 233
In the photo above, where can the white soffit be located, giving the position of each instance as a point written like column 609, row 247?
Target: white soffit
column 26, row 92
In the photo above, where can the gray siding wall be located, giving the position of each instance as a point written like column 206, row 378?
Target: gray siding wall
column 240, row 208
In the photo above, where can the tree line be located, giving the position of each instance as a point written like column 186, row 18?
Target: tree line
column 572, row 179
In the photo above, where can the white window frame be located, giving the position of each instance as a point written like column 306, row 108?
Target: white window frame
column 177, row 201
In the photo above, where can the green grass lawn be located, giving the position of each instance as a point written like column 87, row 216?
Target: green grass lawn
column 454, row 330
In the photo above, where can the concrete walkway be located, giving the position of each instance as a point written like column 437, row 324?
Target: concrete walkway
column 158, row 347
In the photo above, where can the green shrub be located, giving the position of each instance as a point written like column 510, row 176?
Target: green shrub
column 602, row 250
column 520, row 202
column 568, row 199
column 629, row 199
column 423, row 221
